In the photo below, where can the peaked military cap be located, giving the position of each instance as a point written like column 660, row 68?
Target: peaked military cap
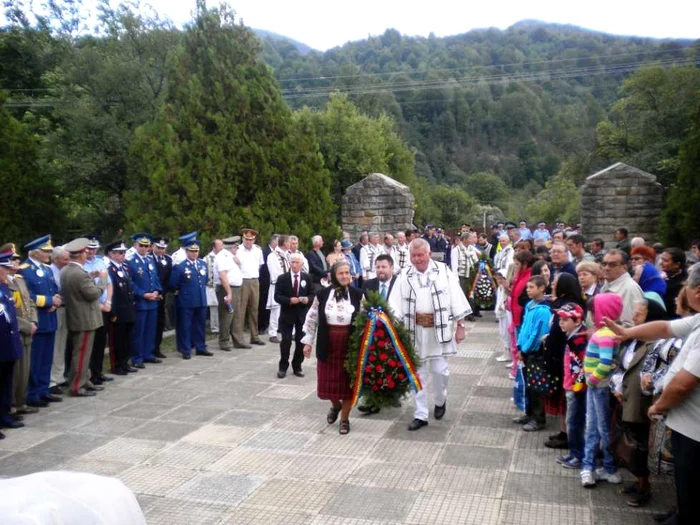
column 249, row 234
column 187, row 238
column 94, row 242
column 6, row 253
column 77, row 245
column 510, row 224
column 116, row 246
column 144, row 239
column 161, row 242
column 42, row 243
column 230, row 241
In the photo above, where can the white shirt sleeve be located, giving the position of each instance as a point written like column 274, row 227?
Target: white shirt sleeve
column 311, row 324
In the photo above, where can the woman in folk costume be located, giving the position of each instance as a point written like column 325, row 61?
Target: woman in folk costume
column 328, row 325
column 432, row 307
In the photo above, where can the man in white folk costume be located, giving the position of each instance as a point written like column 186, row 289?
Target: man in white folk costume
column 430, row 303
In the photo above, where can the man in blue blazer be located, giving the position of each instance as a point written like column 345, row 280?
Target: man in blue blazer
column 188, row 281
column 147, row 293
column 44, row 292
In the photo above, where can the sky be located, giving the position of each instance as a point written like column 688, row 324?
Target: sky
column 323, row 24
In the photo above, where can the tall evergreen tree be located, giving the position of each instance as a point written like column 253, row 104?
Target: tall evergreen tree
column 224, row 152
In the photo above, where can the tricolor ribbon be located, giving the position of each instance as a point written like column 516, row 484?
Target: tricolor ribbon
column 376, row 316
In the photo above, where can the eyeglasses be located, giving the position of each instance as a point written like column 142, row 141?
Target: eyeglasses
column 605, row 264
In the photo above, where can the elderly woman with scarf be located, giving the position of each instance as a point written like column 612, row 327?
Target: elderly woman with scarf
column 645, row 273
column 565, row 289
column 626, row 385
column 328, row 326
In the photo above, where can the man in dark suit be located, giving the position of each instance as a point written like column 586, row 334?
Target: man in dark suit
column 385, row 279
column 189, row 281
column 164, row 266
column 384, row 284
column 318, row 267
column 293, row 292
column 123, row 313
column 263, row 312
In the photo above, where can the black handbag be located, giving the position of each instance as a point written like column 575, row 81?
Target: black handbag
column 538, row 375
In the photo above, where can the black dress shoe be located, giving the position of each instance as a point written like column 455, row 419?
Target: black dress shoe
column 83, row 393
column 38, row 403
column 153, row 360
column 27, row 410
column 17, row 416
column 57, row 390
column 281, row 374
column 131, row 369
column 247, row 347
column 440, row 411
column 96, row 381
column 160, row 355
column 558, row 442
column 299, row 373
column 258, row 342
column 94, row 388
column 139, row 365
column 106, row 379
column 205, row 352
column 52, row 398
column 11, row 424
column 120, row 372
column 416, row 424
column 368, row 409
column 186, row 356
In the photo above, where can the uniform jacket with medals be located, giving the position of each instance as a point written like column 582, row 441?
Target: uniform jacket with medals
column 42, row 287
column 123, row 307
column 448, row 303
column 26, row 309
column 164, row 266
column 144, row 278
column 82, row 298
column 189, row 281
column 10, row 344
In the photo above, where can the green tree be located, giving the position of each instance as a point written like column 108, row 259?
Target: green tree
column 29, row 195
column 224, row 152
column 486, row 188
column 449, row 207
column 559, row 200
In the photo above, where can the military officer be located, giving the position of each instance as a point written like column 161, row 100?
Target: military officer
column 93, row 266
column 189, row 282
column 123, row 313
column 28, row 322
column 164, row 266
column 181, row 254
column 82, row 292
column 10, row 345
column 44, row 292
column 147, row 292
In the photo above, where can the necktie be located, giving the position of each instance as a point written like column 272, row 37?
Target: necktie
column 296, row 285
column 383, row 291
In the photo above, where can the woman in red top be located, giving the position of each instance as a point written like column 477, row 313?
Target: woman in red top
column 523, row 262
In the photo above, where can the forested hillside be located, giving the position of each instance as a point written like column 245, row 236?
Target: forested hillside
column 136, row 124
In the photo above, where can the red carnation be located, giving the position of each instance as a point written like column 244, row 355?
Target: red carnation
column 379, row 368
column 379, row 333
column 369, row 369
column 392, row 363
column 375, row 388
column 390, row 384
column 372, row 358
column 379, row 381
column 400, row 375
column 372, row 347
column 383, row 356
column 367, row 379
column 382, row 344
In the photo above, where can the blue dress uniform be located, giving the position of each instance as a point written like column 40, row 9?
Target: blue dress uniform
column 189, row 280
column 144, row 278
column 42, row 288
column 10, row 347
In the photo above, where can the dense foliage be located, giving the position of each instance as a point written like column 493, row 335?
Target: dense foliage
column 138, row 124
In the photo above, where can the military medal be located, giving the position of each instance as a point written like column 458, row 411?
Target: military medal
column 40, row 272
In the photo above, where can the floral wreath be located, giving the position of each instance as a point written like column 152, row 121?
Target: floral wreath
column 381, row 360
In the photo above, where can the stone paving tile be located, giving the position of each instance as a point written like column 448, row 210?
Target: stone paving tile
column 95, row 466
column 318, row 468
column 466, row 480
column 492, row 391
column 375, row 504
column 523, row 513
column 334, row 444
column 190, row 414
column 245, row 418
column 436, row 431
column 373, row 473
column 23, row 463
column 541, row 462
column 491, row 405
column 244, row 515
column 217, row 487
column 398, row 451
column 162, row 430
column 155, row 480
column 128, row 450
column 477, row 457
column 305, row 423
column 453, row 509
column 170, row 511
column 545, row 489
column 279, row 440
column 110, row 426
column 468, row 366
column 499, row 381
column 606, row 516
column 220, row 435
column 288, row 391
column 282, row 494
column 69, row 444
column 26, row 438
column 484, row 419
column 58, row 422
column 608, row 496
column 142, row 410
column 189, row 455
column 483, row 436
column 170, row 397
column 254, row 462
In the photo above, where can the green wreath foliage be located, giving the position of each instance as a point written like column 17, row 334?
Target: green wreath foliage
column 385, row 380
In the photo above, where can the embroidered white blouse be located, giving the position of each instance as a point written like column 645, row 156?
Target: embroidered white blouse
column 337, row 313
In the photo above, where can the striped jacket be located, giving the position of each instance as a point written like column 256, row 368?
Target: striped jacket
column 600, row 358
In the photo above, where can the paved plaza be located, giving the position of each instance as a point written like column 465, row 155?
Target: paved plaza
column 221, row 440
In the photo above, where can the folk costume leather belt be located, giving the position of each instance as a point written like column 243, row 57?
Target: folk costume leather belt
column 425, row 320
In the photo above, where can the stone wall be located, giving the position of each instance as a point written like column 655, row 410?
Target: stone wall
column 377, row 203
column 621, row 196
